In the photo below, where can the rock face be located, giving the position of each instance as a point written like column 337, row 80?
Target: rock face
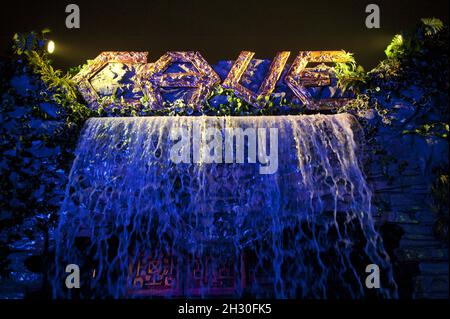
column 400, row 172
column 22, row 278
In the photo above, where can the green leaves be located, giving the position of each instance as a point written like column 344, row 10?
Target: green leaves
column 434, row 129
column 432, row 25
column 41, row 117
column 350, row 76
column 412, row 43
column 395, row 48
column 23, row 43
column 54, row 79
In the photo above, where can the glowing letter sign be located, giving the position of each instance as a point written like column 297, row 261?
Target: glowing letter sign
column 299, row 77
column 200, row 76
column 83, row 78
column 268, row 85
column 151, row 78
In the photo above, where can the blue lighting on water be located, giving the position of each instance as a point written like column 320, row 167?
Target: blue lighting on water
column 140, row 225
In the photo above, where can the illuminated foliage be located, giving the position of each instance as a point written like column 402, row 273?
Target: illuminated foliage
column 40, row 120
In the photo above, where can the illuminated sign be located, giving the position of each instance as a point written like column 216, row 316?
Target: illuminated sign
column 268, row 85
column 200, row 76
column 151, row 80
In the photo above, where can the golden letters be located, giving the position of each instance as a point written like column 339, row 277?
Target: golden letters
column 198, row 75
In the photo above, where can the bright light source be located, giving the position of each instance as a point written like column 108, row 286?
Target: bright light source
column 50, row 47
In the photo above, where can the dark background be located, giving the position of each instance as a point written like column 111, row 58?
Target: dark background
column 218, row 29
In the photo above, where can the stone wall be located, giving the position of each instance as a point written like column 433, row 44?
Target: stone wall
column 26, row 271
column 400, row 170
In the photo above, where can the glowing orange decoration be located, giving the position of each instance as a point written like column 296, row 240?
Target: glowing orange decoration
column 151, row 79
column 82, row 79
column 299, row 77
column 202, row 77
column 241, row 65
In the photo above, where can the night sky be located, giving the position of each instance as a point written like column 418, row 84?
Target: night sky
column 218, row 29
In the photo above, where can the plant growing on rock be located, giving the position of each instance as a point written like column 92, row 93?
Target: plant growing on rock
column 41, row 116
column 407, row 94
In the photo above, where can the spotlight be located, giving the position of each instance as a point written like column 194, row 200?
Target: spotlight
column 50, row 47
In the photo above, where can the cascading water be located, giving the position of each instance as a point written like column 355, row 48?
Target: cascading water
column 139, row 224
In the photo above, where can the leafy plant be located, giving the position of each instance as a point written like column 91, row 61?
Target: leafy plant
column 350, row 75
column 41, row 117
column 432, row 26
column 396, row 48
column 433, row 129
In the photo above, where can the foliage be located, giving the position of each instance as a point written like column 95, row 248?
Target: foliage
column 431, row 26
column 220, row 102
column 60, row 87
column 396, row 47
column 350, row 75
column 409, row 92
column 40, row 119
column 433, row 129
column 415, row 70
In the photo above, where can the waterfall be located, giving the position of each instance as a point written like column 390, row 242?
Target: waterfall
column 139, row 224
